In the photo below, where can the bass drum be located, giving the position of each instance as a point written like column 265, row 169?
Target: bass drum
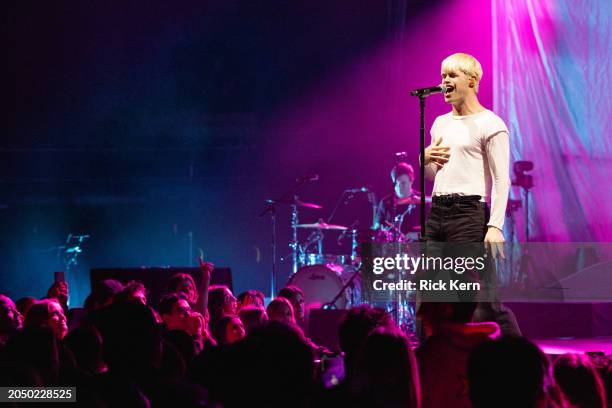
column 321, row 284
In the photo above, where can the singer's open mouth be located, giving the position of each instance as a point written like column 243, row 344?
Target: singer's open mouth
column 449, row 89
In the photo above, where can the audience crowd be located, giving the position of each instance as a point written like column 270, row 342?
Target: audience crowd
column 200, row 346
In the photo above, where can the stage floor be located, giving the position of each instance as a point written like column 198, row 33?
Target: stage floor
column 570, row 345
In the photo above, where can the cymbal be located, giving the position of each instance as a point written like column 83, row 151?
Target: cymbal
column 308, row 205
column 322, row 226
column 416, row 200
column 295, row 202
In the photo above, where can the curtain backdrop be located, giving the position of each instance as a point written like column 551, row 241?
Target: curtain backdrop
column 552, row 72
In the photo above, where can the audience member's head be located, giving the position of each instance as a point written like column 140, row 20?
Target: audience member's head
column 131, row 337
column 23, row 304
column 221, row 302
column 176, row 314
column 102, row 294
column 183, row 342
column 294, row 295
column 283, row 364
column 59, row 292
column 183, row 283
column 355, row 328
column 133, row 291
column 10, row 318
column 579, row 381
column 228, row 330
column 47, row 313
column 172, row 366
column 251, row 298
column 606, row 375
column 252, row 317
column 85, row 343
column 280, row 310
column 386, row 371
column 34, row 355
column 510, row 372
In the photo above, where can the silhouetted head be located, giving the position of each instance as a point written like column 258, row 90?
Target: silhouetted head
column 250, row 298
column 579, row 381
column 23, row 304
column 252, row 317
column 228, row 330
column 274, row 367
column 85, row 343
column 281, row 310
column 355, row 328
column 294, row 295
column 183, row 283
column 102, row 294
column 131, row 336
column 133, row 291
column 221, row 302
column 509, row 372
column 33, row 353
column 386, row 370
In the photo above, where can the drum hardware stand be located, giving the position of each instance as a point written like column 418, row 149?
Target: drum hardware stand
column 525, row 182
column 352, row 231
column 332, row 304
column 290, row 197
column 373, row 202
column 271, row 208
column 399, row 157
column 315, row 237
column 294, row 244
column 513, row 206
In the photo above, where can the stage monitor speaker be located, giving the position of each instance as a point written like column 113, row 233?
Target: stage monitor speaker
column 155, row 279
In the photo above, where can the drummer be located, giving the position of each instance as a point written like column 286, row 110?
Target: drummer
column 399, row 212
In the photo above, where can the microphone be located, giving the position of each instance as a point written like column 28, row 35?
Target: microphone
column 308, row 177
column 364, row 189
column 428, row 91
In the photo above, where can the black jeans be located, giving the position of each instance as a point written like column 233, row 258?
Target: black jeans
column 457, row 221
column 464, row 219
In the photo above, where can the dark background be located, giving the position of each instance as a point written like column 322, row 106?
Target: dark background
column 160, row 128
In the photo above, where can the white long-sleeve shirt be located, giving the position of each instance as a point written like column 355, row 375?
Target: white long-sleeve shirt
column 479, row 161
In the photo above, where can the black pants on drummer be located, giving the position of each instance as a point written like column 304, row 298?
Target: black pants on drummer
column 463, row 219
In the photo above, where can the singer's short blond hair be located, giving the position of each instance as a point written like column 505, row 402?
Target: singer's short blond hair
column 466, row 64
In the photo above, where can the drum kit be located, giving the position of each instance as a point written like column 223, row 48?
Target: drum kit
column 329, row 280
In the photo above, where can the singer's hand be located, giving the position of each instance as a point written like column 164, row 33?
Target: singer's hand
column 494, row 240
column 437, row 154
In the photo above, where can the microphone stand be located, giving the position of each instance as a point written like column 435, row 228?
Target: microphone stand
column 271, row 208
column 422, row 93
column 422, row 165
